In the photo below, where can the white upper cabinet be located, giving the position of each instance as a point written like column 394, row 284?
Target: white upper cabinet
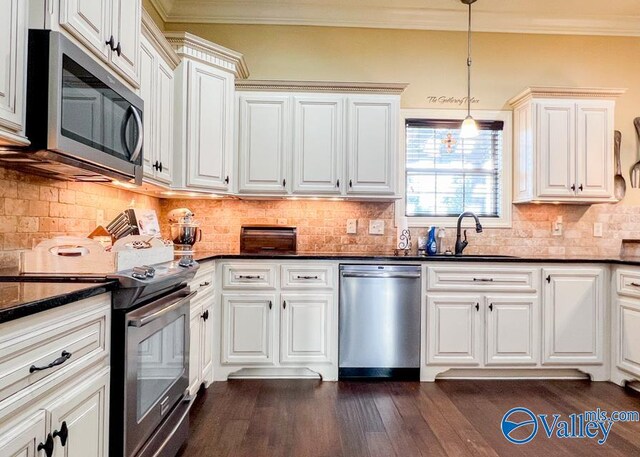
column 318, row 139
column 318, row 144
column 573, row 315
column 108, row 28
column 263, row 143
column 13, row 49
column 204, row 110
column 157, row 62
column 563, row 145
column 372, row 144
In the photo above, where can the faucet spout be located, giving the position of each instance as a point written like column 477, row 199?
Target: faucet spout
column 460, row 244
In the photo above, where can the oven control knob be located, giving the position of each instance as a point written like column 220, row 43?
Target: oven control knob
column 139, row 273
column 149, row 271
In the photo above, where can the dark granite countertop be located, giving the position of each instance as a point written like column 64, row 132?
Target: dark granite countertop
column 386, row 257
column 23, row 298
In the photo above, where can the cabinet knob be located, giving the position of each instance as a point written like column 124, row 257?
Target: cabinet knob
column 284, row 304
column 338, row 183
column 270, row 304
column 226, row 180
column 477, row 306
column 490, row 306
column 580, row 188
column 118, row 49
column 155, row 165
column 284, row 183
column 350, row 183
column 111, row 43
column 205, row 315
column 47, row 446
column 573, row 187
column 63, row 433
column 160, row 167
column 548, row 278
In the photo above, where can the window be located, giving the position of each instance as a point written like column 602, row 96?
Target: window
column 445, row 175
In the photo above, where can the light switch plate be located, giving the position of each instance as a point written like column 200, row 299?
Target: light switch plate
column 352, row 226
column 597, row 229
column 376, row 227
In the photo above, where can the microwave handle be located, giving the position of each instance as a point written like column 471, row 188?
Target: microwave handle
column 138, row 149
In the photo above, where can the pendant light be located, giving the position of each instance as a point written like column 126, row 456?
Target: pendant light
column 469, row 128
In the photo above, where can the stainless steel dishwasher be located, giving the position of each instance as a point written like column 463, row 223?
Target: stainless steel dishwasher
column 380, row 321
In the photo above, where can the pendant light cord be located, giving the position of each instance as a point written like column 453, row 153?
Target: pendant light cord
column 469, row 64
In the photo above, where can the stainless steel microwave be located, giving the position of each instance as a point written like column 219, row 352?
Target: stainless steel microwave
column 83, row 124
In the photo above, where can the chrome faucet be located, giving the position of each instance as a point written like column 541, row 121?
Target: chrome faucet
column 460, row 245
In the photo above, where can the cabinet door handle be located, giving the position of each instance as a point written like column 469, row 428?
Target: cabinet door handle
column 248, row 277
column 350, row 183
column 118, row 49
column 59, row 361
column 580, row 188
column 483, row 279
column 111, row 43
column 226, row 180
column 205, row 284
column 63, row 434
column 270, row 304
column 284, row 183
column 284, row 304
column 490, row 306
column 548, row 278
column 306, row 277
column 47, row 446
column 338, row 183
column 573, row 187
column 634, row 284
column 205, row 315
column 477, row 306
column 160, row 167
column 155, row 165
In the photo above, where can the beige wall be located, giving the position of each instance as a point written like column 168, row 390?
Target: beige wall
column 434, row 63
column 148, row 6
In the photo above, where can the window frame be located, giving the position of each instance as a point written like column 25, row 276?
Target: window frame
column 505, row 219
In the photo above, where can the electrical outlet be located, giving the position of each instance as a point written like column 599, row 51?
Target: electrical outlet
column 376, row 227
column 557, row 228
column 597, row 229
column 100, row 217
column 352, row 226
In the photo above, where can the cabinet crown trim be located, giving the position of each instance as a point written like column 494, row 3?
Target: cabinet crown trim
column 188, row 45
column 565, row 92
column 151, row 31
column 321, row 86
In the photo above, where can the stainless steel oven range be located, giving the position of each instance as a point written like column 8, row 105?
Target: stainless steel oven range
column 150, row 361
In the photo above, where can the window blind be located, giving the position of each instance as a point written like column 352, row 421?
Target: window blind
column 446, row 175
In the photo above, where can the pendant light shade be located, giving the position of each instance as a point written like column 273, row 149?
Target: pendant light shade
column 469, row 128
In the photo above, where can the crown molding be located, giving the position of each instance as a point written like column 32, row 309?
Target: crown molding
column 151, row 31
column 394, row 17
column 565, row 92
column 188, row 45
column 163, row 7
column 321, row 86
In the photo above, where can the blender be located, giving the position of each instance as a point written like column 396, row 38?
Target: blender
column 185, row 232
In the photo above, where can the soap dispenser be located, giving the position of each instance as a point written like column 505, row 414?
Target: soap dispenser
column 431, row 241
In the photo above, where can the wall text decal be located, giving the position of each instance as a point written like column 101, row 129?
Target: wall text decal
column 448, row 100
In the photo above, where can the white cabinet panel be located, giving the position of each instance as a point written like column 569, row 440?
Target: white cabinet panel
column 263, row 143
column 304, row 329
column 195, row 337
column 453, row 329
column 249, row 327
column 125, row 24
column 23, row 438
column 593, row 149
column 90, row 22
column 512, row 331
column 206, row 341
column 372, row 137
column 573, row 311
column 318, row 144
column 83, row 411
column 13, row 38
column 556, row 140
column 629, row 336
column 209, row 141
column 164, row 107
column 148, row 89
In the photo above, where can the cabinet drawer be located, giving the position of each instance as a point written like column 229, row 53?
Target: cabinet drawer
column 249, row 276
column 36, row 342
column 307, row 276
column 483, row 279
column 628, row 282
column 203, row 281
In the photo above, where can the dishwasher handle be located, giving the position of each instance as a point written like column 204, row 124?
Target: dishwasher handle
column 353, row 274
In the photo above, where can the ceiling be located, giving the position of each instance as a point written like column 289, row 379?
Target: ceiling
column 580, row 17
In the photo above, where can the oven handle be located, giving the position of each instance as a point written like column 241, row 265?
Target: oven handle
column 144, row 320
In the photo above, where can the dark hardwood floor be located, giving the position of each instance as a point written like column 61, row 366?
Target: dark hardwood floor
column 404, row 419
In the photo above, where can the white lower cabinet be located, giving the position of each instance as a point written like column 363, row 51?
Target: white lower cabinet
column 62, row 410
column 458, row 325
column 628, row 343
column 573, row 315
column 201, row 328
column 248, row 328
column 283, row 323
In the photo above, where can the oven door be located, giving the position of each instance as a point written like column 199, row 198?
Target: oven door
column 157, row 364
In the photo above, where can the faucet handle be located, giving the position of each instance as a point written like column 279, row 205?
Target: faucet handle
column 465, row 235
